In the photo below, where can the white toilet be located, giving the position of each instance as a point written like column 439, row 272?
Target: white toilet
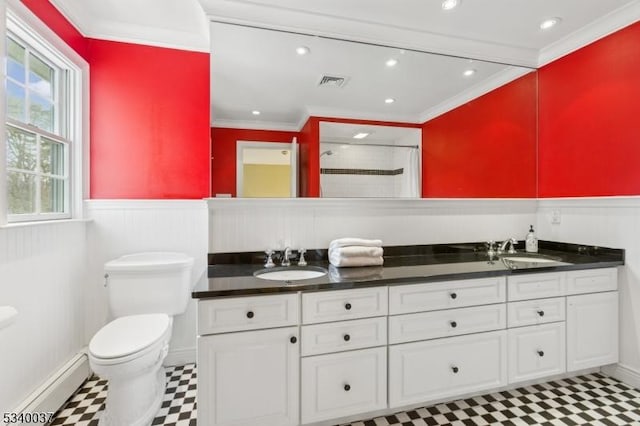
column 145, row 291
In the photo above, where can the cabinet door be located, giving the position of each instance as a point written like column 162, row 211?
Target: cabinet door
column 249, row 378
column 425, row 371
column 536, row 351
column 343, row 384
column 592, row 330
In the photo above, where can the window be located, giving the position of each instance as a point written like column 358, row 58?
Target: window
column 41, row 125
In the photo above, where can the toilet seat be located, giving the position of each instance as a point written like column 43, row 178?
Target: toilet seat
column 129, row 337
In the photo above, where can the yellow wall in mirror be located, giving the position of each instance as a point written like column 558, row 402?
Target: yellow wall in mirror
column 266, row 181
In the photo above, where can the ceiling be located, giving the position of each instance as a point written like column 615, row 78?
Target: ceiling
column 255, row 69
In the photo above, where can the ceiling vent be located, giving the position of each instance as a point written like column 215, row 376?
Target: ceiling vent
column 332, row 81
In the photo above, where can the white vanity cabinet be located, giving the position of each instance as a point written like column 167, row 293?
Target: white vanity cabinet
column 320, row 357
column 249, row 377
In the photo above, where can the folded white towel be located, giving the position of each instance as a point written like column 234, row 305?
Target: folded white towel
column 356, row 251
column 345, row 242
column 356, row 261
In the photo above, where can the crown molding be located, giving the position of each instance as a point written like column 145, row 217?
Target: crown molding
column 255, row 125
column 484, row 87
column 317, row 111
column 598, row 29
column 79, row 18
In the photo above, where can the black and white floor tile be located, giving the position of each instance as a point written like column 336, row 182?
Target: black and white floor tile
column 178, row 407
column 593, row 400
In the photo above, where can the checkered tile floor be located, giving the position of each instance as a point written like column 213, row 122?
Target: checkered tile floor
column 178, row 408
column 593, row 400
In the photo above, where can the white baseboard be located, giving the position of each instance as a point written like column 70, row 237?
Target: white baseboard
column 180, row 356
column 623, row 373
column 50, row 396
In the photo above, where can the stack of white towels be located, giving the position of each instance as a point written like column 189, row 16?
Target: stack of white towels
column 352, row 252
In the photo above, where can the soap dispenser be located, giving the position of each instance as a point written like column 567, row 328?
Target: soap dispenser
column 531, row 242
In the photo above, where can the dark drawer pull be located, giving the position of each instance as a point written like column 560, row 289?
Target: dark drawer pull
column 347, row 388
column 541, row 353
column 541, row 313
column 293, row 339
column 453, row 324
column 346, row 337
column 455, row 370
column 250, row 314
column 454, row 295
column 347, row 306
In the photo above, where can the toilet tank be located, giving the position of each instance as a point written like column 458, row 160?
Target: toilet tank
column 151, row 282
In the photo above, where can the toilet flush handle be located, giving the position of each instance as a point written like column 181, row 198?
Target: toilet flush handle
column 106, row 279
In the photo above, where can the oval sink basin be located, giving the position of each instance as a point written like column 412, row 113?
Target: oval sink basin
column 290, row 273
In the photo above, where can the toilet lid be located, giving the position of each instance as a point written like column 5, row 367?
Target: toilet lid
column 128, row 335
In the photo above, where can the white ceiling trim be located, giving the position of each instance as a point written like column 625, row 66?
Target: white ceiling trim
column 78, row 18
column 604, row 26
column 272, row 17
column 317, row 111
column 256, row 125
column 183, row 41
column 474, row 92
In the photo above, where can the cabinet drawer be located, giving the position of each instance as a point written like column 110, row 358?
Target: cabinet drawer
column 592, row 280
column 343, row 335
column 537, row 311
column 536, row 351
column 535, row 286
column 412, row 298
column 247, row 313
column 340, row 305
column 343, row 384
column 425, row 371
column 452, row 322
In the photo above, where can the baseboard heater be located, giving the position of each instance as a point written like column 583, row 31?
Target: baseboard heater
column 50, row 396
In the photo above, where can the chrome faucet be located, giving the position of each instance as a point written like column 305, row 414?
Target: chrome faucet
column 504, row 245
column 285, row 257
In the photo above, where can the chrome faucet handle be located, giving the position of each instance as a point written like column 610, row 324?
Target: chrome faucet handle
column 512, row 250
column 269, row 263
column 491, row 248
column 302, row 261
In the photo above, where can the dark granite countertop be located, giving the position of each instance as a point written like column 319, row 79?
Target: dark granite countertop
column 231, row 274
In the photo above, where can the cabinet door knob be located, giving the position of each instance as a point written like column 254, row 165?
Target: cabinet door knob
column 541, row 313
column 250, row 314
column 454, row 295
column 293, row 339
column 453, row 324
column 347, row 306
column 346, row 337
column 541, row 353
column 347, row 388
column 455, row 370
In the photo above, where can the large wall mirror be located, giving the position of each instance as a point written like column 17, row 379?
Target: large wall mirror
column 434, row 125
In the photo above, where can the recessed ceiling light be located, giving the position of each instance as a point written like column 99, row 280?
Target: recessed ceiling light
column 302, row 50
column 549, row 23
column 469, row 72
column 360, row 135
column 391, row 62
column 255, row 112
column 450, row 4
column 389, row 101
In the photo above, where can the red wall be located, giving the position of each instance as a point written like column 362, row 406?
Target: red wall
column 223, row 154
column 485, row 148
column 589, row 119
column 149, row 122
column 149, row 115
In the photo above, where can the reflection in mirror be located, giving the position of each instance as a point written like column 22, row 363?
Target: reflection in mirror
column 369, row 161
column 266, row 170
column 474, row 115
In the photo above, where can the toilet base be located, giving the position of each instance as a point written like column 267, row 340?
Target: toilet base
column 134, row 401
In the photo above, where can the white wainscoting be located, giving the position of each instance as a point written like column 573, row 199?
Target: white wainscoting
column 608, row 222
column 42, row 271
column 255, row 225
column 120, row 227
